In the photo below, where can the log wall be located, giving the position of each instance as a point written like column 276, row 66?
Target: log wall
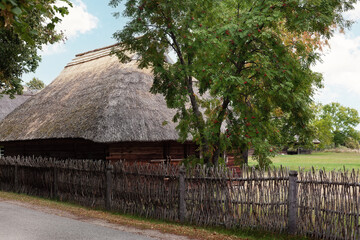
column 56, row 148
column 83, row 149
column 154, row 152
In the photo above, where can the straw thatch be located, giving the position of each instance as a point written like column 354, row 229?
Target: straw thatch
column 95, row 98
column 7, row 105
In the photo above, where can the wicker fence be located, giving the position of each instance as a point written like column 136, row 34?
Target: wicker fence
column 316, row 204
column 329, row 204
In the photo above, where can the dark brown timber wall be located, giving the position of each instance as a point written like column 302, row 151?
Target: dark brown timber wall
column 56, row 148
column 151, row 151
column 155, row 152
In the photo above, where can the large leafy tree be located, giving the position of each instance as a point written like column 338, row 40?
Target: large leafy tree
column 336, row 124
column 242, row 66
column 24, row 27
column 323, row 126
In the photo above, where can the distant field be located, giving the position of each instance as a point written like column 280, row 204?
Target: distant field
column 329, row 161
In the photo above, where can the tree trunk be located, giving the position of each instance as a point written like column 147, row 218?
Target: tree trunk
column 199, row 121
column 204, row 150
column 245, row 155
column 216, row 155
column 220, row 118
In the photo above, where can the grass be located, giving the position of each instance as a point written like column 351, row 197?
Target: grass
column 193, row 232
column 318, row 160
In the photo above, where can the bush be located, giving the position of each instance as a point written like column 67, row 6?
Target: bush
column 351, row 143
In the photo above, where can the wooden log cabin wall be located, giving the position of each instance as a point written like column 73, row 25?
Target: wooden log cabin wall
column 153, row 152
column 150, row 152
column 57, row 148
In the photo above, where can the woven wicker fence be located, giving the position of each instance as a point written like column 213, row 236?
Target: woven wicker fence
column 254, row 199
column 80, row 181
column 329, row 204
column 315, row 204
column 146, row 190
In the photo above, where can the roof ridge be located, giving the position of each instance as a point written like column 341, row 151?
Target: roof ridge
column 91, row 55
column 95, row 50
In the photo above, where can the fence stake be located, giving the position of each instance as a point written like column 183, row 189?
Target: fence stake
column 16, row 177
column 182, row 203
column 292, row 203
column 109, row 169
column 55, row 193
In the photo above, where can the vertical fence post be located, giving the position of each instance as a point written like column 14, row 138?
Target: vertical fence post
column 16, row 177
column 292, row 203
column 182, row 203
column 55, row 187
column 109, row 169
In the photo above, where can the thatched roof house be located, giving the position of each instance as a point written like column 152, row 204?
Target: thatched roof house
column 7, row 105
column 96, row 108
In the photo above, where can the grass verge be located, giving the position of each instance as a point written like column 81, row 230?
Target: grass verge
column 193, row 232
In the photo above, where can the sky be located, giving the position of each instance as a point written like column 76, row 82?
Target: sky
column 90, row 25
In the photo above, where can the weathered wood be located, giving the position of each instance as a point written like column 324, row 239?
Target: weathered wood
column 137, row 151
column 292, row 203
column 55, row 191
column 328, row 203
column 16, row 187
column 109, row 170
column 182, row 203
column 57, row 148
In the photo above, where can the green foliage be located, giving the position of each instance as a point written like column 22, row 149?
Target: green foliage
column 323, row 127
column 35, row 84
column 342, row 118
column 352, row 143
column 336, row 125
column 245, row 63
column 24, row 27
column 16, row 58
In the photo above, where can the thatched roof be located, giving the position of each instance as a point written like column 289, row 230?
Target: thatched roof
column 7, row 105
column 95, row 98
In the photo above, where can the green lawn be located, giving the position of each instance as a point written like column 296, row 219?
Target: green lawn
column 329, row 161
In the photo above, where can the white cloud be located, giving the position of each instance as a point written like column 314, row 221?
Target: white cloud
column 51, row 49
column 78, row 21
column 341, row 64
column 354, row 14
column 327, row 95
column 341, row 71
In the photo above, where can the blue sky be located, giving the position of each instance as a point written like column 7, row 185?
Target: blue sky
column 90, row 25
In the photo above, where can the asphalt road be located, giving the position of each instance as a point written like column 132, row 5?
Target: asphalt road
column 19, row 223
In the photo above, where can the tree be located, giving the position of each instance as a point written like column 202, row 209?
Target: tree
column 35, row 84
column 16, row 58
column 245, row 63
column 336, row 124
column 323, row 131
column 352, row 143
column 24, row 27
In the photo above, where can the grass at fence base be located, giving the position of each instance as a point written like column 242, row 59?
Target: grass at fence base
column 193, row 232
column 319, row 160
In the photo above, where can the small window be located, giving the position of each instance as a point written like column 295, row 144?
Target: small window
column 1, row 151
